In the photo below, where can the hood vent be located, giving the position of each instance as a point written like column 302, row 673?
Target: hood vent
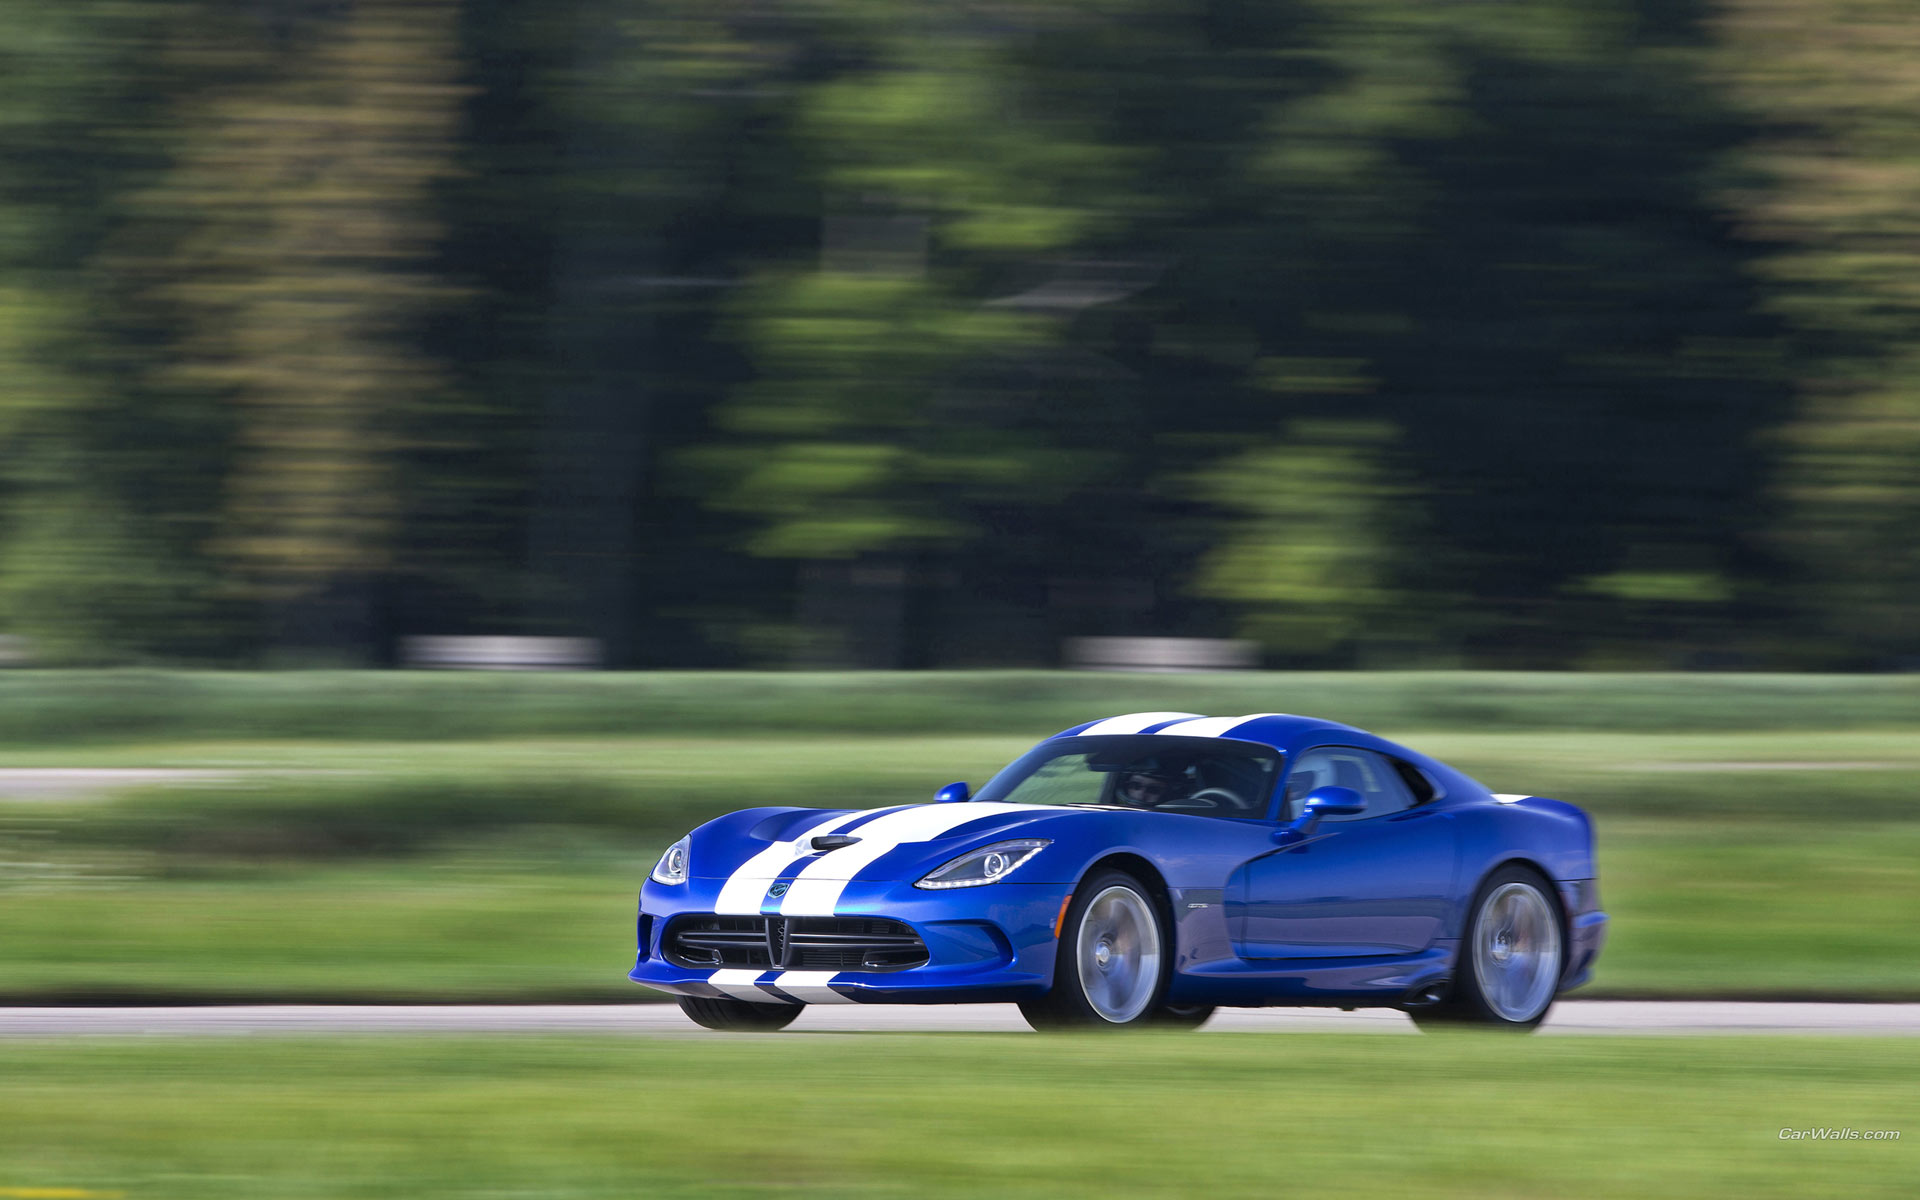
column 833, row 841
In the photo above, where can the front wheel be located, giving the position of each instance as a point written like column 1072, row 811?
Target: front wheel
column 739, row 1016
column 1511, row 959
column 1181, row 1016
column 1110, row 967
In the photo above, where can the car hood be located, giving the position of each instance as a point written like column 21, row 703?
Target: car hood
column 752, row 849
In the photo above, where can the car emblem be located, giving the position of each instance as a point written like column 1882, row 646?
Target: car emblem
column 778, row 890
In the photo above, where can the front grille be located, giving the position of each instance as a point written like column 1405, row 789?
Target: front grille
column 793, row 943
column 717, row 942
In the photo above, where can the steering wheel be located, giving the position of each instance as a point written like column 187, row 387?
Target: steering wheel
column 1213, row 797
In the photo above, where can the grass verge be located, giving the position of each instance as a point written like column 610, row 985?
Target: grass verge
column 1468, row 1116
column 48, row 708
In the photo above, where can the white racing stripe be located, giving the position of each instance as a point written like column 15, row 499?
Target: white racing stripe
column 1508, row 798
column 811, row 987
column 1131, row 723
column 817, row 888
column 1208, row 726
column 742, row 893
column 738, row 983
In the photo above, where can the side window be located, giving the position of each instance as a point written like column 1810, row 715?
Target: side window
column 1370, row 774
column 1423, row 788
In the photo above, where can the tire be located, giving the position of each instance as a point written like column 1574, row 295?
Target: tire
column 1511, row 960
column 1181, row 1016
column 739, row 1016
column 1111, row 967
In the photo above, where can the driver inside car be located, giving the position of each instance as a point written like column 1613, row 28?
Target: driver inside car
column 1149, row 786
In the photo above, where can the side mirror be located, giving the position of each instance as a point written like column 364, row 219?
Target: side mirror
column 1333, row 802
column 953, row 793
column 1321, row 802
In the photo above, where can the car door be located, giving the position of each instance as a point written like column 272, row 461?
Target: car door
column 1375, row 883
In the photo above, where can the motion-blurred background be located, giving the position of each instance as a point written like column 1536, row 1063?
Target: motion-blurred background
column 1570, row 336
column 1530, row 333
column 1557, row 335
column 1536, row 382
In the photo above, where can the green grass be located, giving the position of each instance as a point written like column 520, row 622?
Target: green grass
column 1474, row 1117
column 445, row 929
column 46, row 708
column 1765, row 909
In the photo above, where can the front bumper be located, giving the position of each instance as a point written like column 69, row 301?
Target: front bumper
column 988, row 944
column 1589, row 932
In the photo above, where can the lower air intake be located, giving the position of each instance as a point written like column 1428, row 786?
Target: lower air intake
column 793, row 943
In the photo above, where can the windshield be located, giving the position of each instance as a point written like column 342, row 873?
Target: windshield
column 1210, row 777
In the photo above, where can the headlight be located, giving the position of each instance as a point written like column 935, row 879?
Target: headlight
column 673, row 864
column 988, row 864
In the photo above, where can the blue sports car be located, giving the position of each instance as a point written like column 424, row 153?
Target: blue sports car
column 1142, row 870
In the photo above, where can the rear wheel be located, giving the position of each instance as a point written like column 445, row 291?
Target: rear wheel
column 1111, row 965
column 739, row 1016
column 1511, row 958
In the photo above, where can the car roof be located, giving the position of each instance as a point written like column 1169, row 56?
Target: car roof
column 1286, row 732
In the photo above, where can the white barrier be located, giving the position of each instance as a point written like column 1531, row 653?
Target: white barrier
column 501, row 653
column 1161, row 654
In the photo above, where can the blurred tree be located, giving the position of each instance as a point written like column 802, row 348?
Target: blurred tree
column 660, row 108
column 1511, row 255
column 905, row 402
column 1836, row 83
column 104, row 494
column 1312, row 552
column 1269, row 138
column 624, row 169
column 461, row 561
column 1487, row 225
column 290, row 235
column 856, row 331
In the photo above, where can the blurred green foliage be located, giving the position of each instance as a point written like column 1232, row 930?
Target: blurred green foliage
column 1568, row 333
column 1831, row 180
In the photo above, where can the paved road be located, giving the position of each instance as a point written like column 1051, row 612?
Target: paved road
column 84, row 783
column 664, row 1020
